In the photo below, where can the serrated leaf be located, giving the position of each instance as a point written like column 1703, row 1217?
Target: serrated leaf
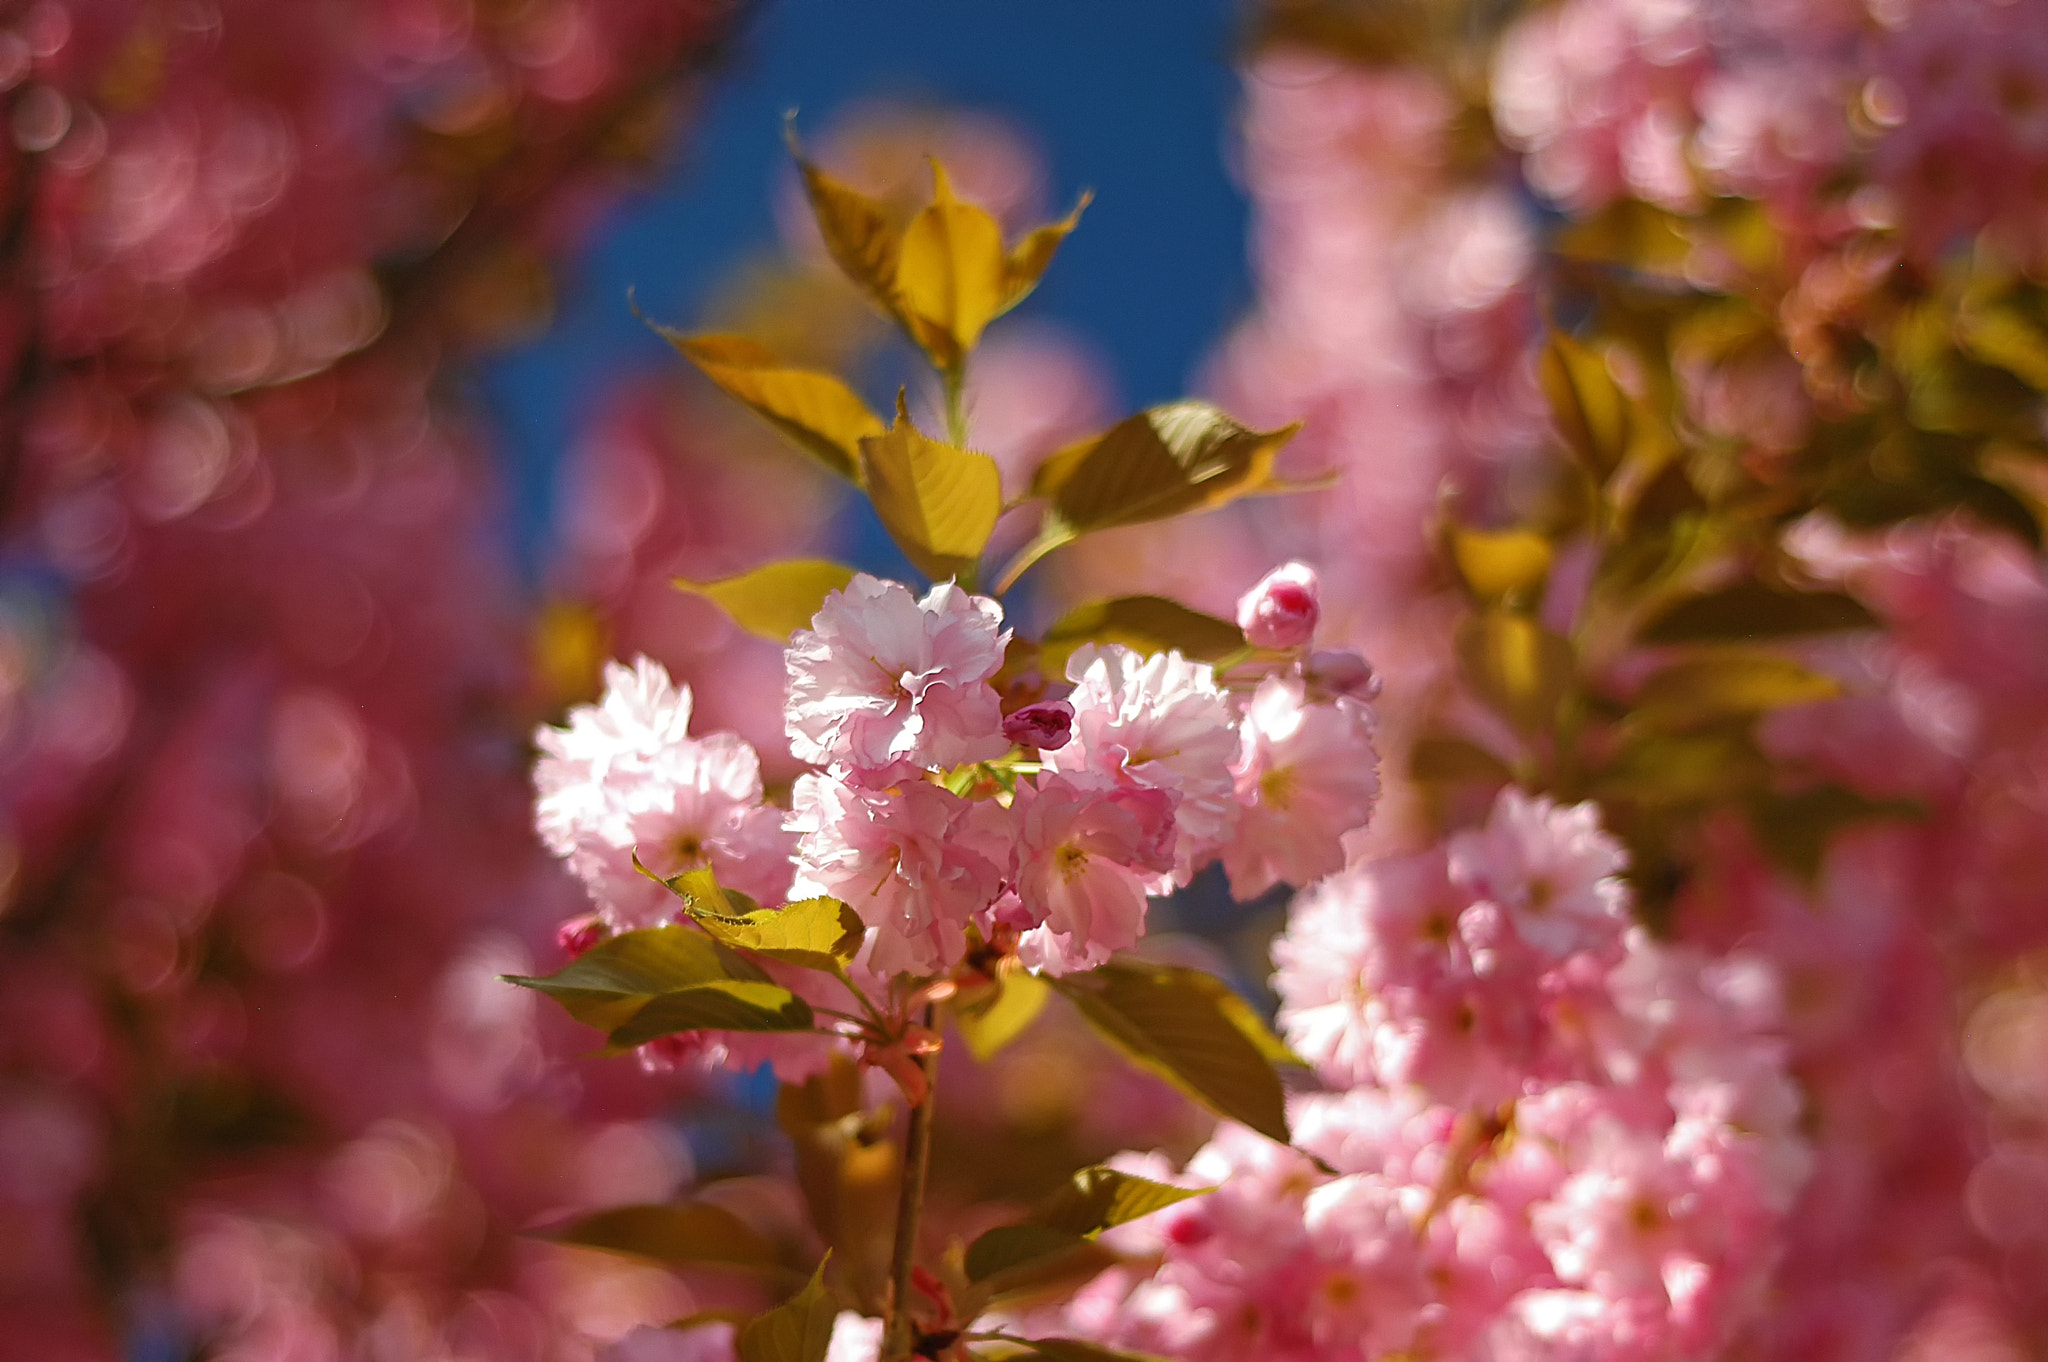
column 1589, row 407
column 1028, row 263
column 776, row 600
column 951, row 273
column 939, row 503
column 1497, row 563
column 614, row 979
column 1019, row 998
column 1074, row 1350
column 1164, row 461
column 1751, row 610
column 798, row 1330
column 1703, row 689
column 734, row 1005
column 817, row 412
column 1097, row 1199
column 857, row 232
column 685, row 1234
column 1516, row 665
column 1009, row 1247
column 821, row 933
column 1180, row 1024
column 1148, row 624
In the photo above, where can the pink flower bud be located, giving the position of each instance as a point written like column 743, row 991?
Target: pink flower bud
column 579, row 934
column 1337, row 672
column 1282, row 610
column 1047, row 725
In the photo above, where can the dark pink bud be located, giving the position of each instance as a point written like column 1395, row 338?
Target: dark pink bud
column 1047, row 725
column 579, row 934
column 1282, row 610
column 1341, row 673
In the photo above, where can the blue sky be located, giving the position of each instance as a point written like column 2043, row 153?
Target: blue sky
column 1131, row 98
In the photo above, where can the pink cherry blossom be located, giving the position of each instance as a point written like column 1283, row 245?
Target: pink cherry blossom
column 1550, row 867
column 1158, row 723
column 883, row 682
column 1307, row 774
column 1086, row 850
column 908, row 861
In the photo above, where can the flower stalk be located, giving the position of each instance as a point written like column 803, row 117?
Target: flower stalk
column 899, row 1335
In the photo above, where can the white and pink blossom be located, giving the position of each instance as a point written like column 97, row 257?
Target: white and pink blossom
column 1306, row 775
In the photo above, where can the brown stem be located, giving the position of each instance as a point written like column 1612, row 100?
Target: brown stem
column 899, row 1334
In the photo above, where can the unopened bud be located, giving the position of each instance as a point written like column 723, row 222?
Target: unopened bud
column 1341, row 673
column 579, row 934
column 1047, row 725
column 1282, row 610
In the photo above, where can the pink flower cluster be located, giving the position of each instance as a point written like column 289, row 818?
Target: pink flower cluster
column 1543, row 1134
column 934, row 814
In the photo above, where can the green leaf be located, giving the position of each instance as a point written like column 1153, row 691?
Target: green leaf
column 1589, row 407
column 1796, row 828
column 1097, row 1199
column 614, row 979
column 1148, row 624
column 817, row 412
column 821, row 934
column 1751, row 610
column 1019, row 998
column 1192, row 1031
column 951, row 273
column 938, row 503
column 849, row 1171
column 776, row 600
column 1497, row 563
column 1703, row 689
column 1515, row 665
column 685, row 1234
column 732, row 1005
column 1009, row 1247
column 798, row 1330
column 1033, row 255
column 1164, row 461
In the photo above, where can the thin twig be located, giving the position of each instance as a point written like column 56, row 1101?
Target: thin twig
column 900, row 1333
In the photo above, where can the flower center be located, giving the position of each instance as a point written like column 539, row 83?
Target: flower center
column 1278, row 786
column 1069, row 862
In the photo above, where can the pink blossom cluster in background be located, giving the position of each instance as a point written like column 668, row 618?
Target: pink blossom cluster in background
column 1926, row 120
column 262, row 673
column 1143, row 771
column 1546, row 1135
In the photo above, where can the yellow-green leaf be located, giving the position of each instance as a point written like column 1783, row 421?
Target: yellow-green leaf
column 1702, row 689
column 1028, row 263
column 1148, row 624
column 685, row 1234
column 950, row 272
column 1589, row 407
column 939, row 503
column 1164, row 461
column 1097, row 1199
column 857, row 232
column 798, row 1330
column 725, row 1005
column 1018, row 1000
column 776, row 600
column 817, row 412
column 2001, row 336
column 1446, row 759
column 1497, row 563
column 1515, row 665
column 821, row 934
column 1176, row 1023
column 1075, row 1350
column 618, row 976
